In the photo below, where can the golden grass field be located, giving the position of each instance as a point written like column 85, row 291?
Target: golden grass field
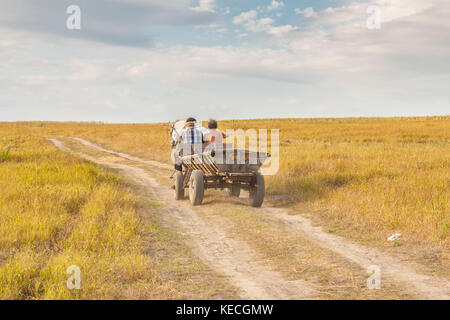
column 380, row 174
column 362, row 178
column 57, row 211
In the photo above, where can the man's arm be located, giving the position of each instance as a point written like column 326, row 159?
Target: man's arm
column 207, row 138
column 183, row 136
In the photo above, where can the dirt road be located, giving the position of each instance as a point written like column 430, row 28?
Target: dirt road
column 242, row 264
column 229, row 256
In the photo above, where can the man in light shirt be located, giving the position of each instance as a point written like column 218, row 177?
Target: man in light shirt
column 191, row 134
column 191, row 141
column 214, row 135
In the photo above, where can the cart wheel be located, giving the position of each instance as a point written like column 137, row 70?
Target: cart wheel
column 257, row 192
column 234, row 191
column 196, row 187
column 179, row 187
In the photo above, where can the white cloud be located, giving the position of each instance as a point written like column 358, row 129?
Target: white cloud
column 402, row 69
column 356, row 12
column 281, row 30
column 245, row 16
column 119, row 22
column 205, row 6
column 259, row 25
column 307, row 13
column 394, row 9
column 347, row 14
column 275, row 5
column 251, row 22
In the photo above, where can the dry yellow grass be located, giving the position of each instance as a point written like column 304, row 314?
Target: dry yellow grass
column 380, row 175
column 366, row 178
column 50, row 206
column 377, row 175
column 57, row 211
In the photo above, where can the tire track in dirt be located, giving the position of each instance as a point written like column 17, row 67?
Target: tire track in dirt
column 427, row 287
column 228, row 256
column 123, row 155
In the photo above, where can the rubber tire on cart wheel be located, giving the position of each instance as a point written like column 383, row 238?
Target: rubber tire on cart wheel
column 234, row 191
column 196, row 187
column 179, row 187
column 256, row 196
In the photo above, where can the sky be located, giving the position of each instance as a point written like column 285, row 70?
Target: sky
column 161, row 60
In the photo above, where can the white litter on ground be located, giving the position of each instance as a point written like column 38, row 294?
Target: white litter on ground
column 394, row 237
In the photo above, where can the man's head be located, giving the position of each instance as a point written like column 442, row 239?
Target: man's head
column 212, row 124
column 190, row 122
